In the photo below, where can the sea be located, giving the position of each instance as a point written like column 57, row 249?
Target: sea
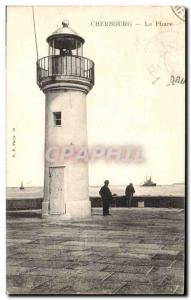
column 159, row 190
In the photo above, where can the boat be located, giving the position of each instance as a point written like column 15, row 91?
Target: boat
column 149, row 182
column 22, row 186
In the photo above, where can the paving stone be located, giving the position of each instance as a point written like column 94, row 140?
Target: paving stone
column 140, row 262
column 38, row 263
column 180, row 290
column 82, row 288
column 28, row 256
column 77, row 265
column 18, row 284
column 18, row 241
column 180, row 256
column 95, row 275
column 38, row 251
column 92, row 287
column 14, row 261
column 178, row 247
column 153, row 251
column 18, row 270
column 177, row 264
column 89, row 267
column 116, row 259
column 142, row 246
column 92, row 244
column 16, row 290
column 164, row 270
column 64, row 273
column 63, row 254
column 62, row 246
column 175, row 277
column 127, row 269
column 74, row 284
column 161, row 263
column 136, row 256
column 110, row 251
column 43, row 242
column 104, row 288
column 168, row 275
column 127, row 277
column 147, row 289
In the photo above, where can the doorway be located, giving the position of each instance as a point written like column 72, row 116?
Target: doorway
column 56, row 190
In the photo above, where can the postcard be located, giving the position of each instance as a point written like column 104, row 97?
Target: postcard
column 95, row 164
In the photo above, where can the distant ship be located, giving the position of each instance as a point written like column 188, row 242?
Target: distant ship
column 148, row 182
column 22, row 186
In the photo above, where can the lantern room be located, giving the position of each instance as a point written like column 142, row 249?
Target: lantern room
column 65, row 41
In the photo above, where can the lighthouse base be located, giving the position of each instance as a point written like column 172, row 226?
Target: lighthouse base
column 75, row 210
column 57, row 217
column 79, row 209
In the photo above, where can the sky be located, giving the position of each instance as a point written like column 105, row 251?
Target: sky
column 138, row 98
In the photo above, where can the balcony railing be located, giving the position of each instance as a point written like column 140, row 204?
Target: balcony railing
column 51, row 66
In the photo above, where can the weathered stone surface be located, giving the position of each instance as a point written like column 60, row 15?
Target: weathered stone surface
column 134, row 251
column 23, row 284
column 146, row 289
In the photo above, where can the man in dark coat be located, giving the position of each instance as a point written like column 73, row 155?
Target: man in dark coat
column 106, row 196
column 129, row 194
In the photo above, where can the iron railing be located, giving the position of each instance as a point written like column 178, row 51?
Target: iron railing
column 57, row 65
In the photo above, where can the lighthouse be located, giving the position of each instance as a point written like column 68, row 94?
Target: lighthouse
column 66, row 77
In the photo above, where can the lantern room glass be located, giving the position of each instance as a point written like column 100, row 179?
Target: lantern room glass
column 65, row 46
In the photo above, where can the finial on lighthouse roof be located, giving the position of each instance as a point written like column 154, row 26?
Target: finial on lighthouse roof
column 64, row 32
column 65, row 23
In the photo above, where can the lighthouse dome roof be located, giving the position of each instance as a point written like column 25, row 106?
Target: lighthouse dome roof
column 65, row 29
column 65, row 32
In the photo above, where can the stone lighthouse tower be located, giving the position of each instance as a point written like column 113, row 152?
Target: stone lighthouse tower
column 66, row 77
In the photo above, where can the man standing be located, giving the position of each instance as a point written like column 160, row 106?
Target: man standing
column 129, row 194
column 106, row 196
